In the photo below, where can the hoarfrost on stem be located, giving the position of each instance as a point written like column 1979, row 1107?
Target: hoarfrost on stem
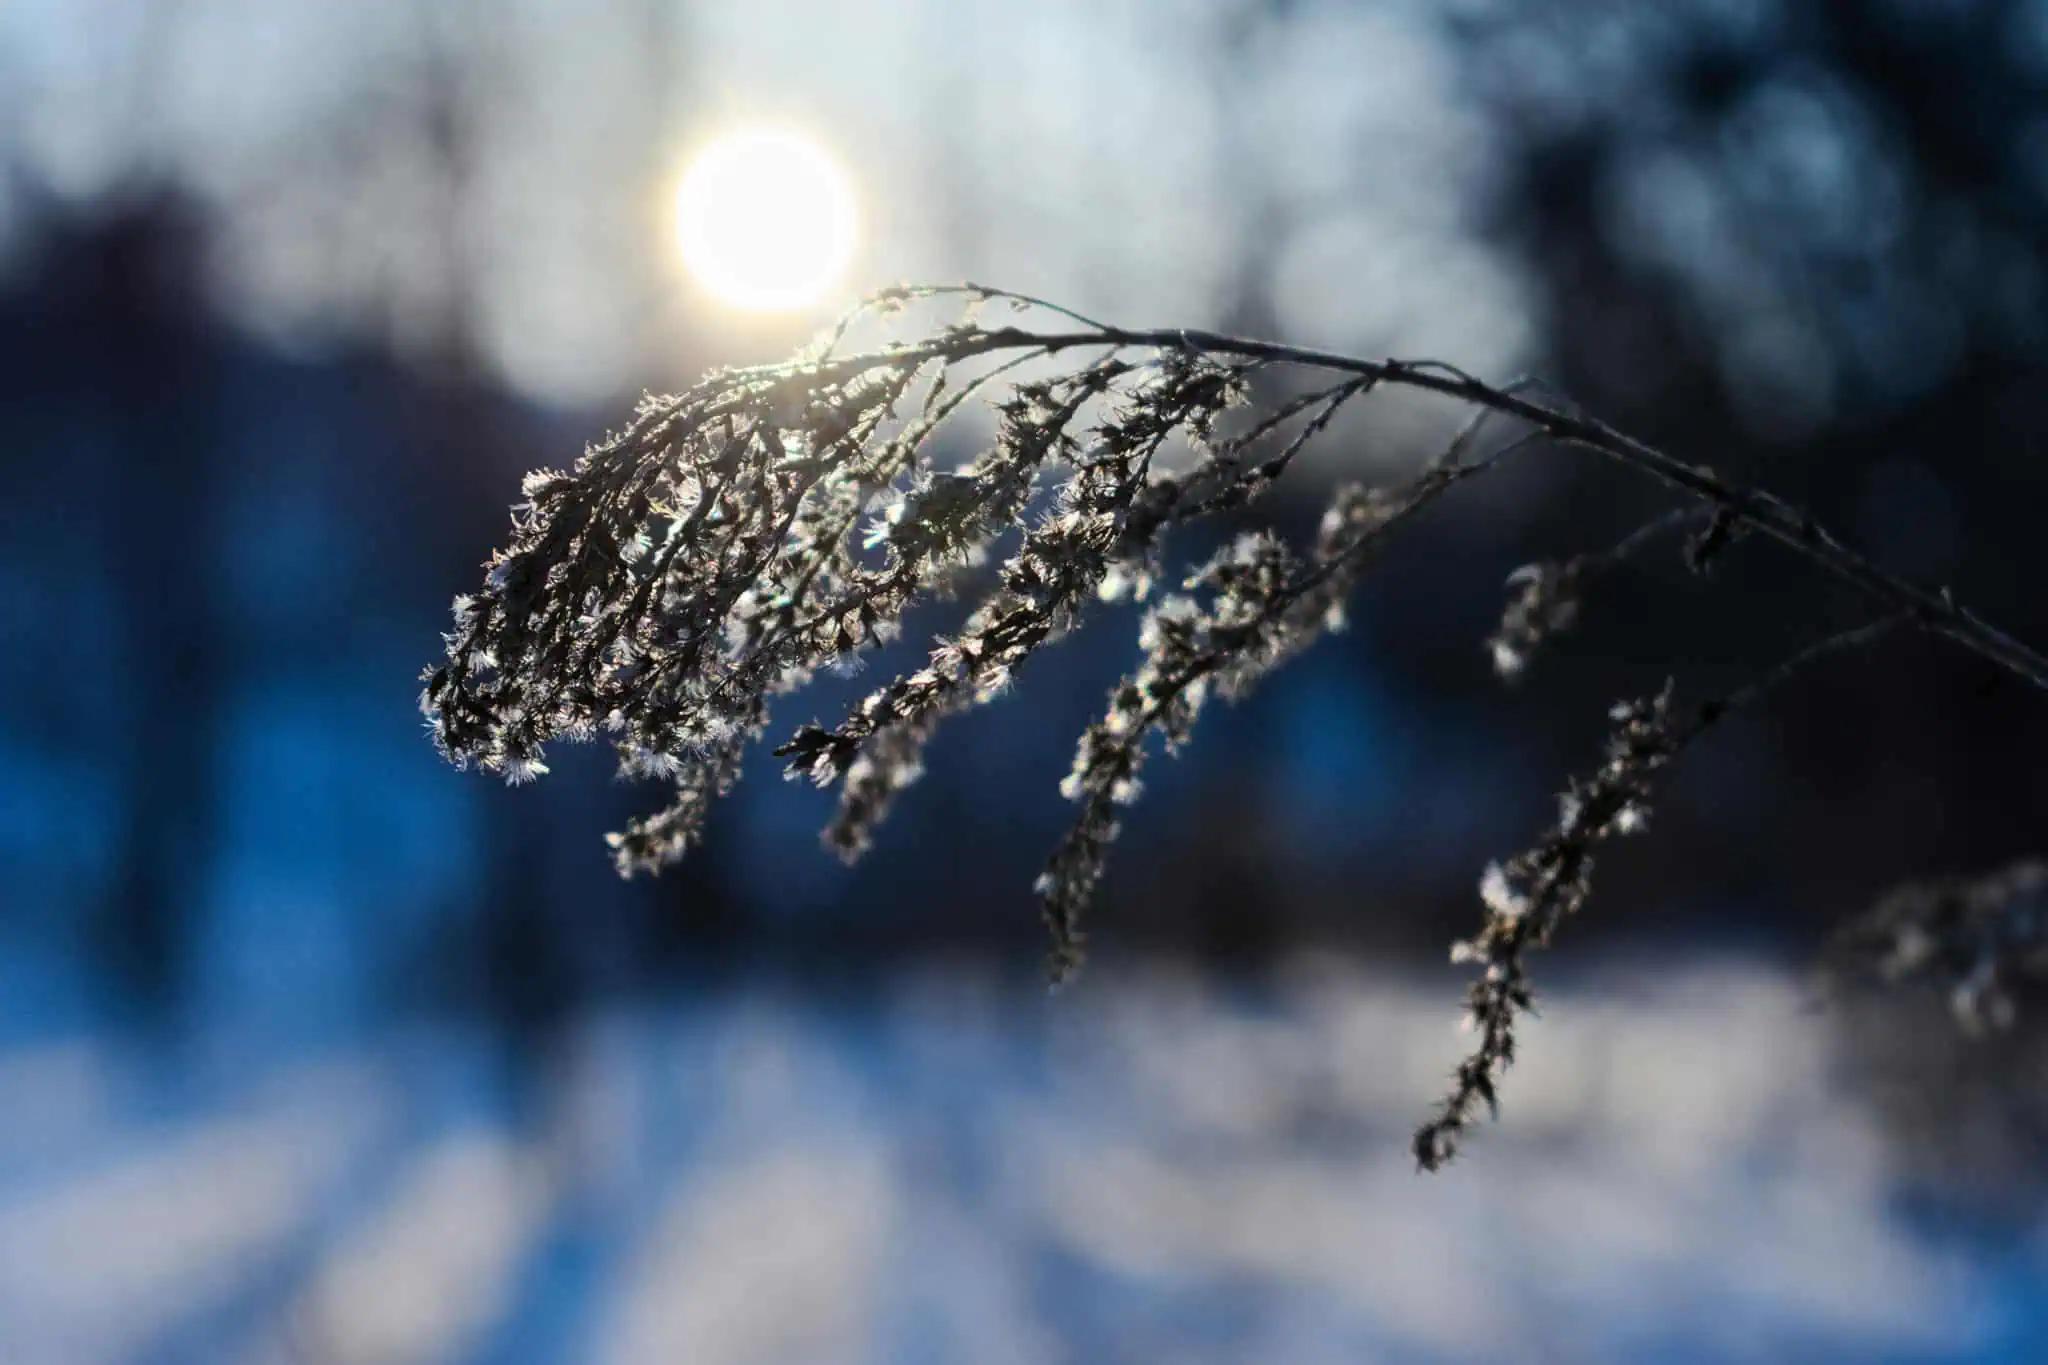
column 737, row 537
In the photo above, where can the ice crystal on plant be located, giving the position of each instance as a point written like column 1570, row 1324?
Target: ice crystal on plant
column 734, row 539
column 1529, row 895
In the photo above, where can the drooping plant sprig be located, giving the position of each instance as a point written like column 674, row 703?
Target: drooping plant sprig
column 774, row 520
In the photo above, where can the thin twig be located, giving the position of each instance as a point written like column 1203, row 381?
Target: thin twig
column 1763, row 512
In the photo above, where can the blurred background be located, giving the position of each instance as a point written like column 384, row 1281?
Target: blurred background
column 312, row 1049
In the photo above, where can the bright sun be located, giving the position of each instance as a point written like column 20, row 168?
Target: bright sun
column 765, row 219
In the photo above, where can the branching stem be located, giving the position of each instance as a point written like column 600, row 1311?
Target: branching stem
column 1762, row 512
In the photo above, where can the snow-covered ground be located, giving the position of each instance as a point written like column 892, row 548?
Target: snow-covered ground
column 947, row 1168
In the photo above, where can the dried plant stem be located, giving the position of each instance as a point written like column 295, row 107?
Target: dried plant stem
column 711, row 558
column 1762, row 512
column 1529, row 895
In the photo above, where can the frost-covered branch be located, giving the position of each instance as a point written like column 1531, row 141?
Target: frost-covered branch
column 1530, row 894
column 1739, row 507
column 1264, row 606
column 771, row 521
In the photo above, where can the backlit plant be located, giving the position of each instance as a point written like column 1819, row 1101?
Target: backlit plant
column 769, row 522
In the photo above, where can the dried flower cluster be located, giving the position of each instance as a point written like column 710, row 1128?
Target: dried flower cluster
column 1977, row 936
column 1530, row 894
column 773, row 521
column 1264, row 603
column 1545, row 597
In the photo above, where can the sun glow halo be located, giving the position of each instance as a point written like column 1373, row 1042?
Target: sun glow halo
column 765, row 220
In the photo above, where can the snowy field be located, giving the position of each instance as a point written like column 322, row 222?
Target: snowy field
column 1149, row 1168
